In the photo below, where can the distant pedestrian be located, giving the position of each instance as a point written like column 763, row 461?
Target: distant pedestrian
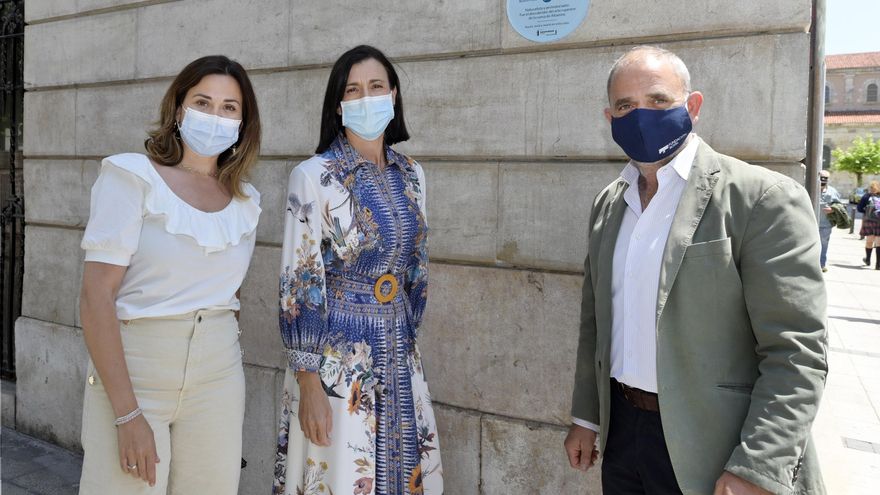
column 854, row 199
column 829, row 197
column 869, row 207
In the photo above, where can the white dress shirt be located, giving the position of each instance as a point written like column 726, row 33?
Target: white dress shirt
column 635, row 276
column 180, row 259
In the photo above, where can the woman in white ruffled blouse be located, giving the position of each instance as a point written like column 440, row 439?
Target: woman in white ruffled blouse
column 169, row 239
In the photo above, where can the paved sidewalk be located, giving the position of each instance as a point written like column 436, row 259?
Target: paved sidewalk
column 34, row 467
column 847, row 430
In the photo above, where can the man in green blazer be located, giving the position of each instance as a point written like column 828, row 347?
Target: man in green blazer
column 702, row 350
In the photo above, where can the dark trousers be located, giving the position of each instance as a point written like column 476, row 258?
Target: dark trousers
column 635, row 460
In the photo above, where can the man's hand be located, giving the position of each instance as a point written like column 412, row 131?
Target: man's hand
column 580, row 445
column 731, row 484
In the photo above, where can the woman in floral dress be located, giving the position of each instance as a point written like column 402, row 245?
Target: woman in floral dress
column 356, row 412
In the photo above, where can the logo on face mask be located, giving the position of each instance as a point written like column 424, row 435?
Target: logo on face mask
column 648, row 136
column 368, row 116
column 207, row 134
column 673, row 145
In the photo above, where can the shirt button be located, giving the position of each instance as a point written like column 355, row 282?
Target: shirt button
column 199, row 319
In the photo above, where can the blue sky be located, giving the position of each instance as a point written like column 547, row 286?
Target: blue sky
column 852, row 26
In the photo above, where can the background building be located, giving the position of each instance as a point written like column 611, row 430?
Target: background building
column 515, row 147
column 852, row 108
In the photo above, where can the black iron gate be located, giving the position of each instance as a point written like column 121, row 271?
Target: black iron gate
column 11, row 190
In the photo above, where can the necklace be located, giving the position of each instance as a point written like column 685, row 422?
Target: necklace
column 198, row 172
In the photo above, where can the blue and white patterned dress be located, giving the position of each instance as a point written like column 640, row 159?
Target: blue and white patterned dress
column 347, row 224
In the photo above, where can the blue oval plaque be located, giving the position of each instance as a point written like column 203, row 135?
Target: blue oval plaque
column 546, row 20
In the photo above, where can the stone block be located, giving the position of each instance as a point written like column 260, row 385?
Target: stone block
column 115, row 119
column 290, row 107
column 260, row 335
column 58, row 191
column 51, row 363
column 321, row 32
column 493, row 337
column 260, row 428
column 50, row 122
column 47, row 9
column 462, row 210
column 8, row 404
column 511, row 105
column 67, row 52
column 526, row 458
column 635, row 21
column 459, row 432
column 270, row 178
column 796, row 171
column 52, row 274
column 177, row 33
column 545, row 211
column 551, row 106
column 283, row 33
column 727, row 106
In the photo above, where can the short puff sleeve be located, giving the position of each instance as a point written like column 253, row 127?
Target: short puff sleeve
column 115, row 216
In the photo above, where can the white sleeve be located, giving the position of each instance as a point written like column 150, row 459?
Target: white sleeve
column 586, row 424
column 115, row 217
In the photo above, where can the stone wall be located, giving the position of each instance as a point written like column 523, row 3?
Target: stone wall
column 514, row 144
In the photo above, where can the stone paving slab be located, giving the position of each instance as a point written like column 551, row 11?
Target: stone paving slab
column 847, row 430
column 32, row 466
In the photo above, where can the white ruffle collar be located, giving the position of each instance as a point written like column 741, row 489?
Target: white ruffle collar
column 213, row 231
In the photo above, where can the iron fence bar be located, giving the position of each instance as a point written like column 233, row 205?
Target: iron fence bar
column 12, row 213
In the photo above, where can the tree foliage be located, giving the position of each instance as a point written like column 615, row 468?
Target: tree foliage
column 862, row 158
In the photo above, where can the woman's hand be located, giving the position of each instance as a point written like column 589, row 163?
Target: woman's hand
column 315, row 419
column 137, row 447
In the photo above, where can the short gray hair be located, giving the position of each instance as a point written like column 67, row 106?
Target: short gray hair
column 640, row 53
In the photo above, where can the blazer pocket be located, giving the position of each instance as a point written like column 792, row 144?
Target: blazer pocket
column 743, row 388
column 710, row 248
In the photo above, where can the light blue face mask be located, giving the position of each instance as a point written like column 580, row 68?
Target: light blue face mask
column 207, row 134
column 368, row 116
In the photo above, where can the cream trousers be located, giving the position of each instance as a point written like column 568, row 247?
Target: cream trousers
column 188, row 379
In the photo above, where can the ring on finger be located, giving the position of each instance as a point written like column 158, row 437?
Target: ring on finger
column 132, row 466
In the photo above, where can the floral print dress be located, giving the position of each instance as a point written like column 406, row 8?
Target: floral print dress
column 349, row 223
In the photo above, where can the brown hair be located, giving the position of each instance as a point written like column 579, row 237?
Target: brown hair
column 164, row 147
column 874, row 187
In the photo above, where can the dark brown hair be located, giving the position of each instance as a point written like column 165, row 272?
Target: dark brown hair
column 331, row 122
column 164, row 146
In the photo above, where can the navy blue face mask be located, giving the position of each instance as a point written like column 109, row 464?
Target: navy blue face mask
column 648, row 136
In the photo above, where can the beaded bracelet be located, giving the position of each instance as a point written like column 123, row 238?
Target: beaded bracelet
column 128, row 417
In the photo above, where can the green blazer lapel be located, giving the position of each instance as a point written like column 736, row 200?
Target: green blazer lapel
column 700, row 185
column 611, row 221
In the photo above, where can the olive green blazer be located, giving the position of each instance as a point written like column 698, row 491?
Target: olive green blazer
column 741, row 338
